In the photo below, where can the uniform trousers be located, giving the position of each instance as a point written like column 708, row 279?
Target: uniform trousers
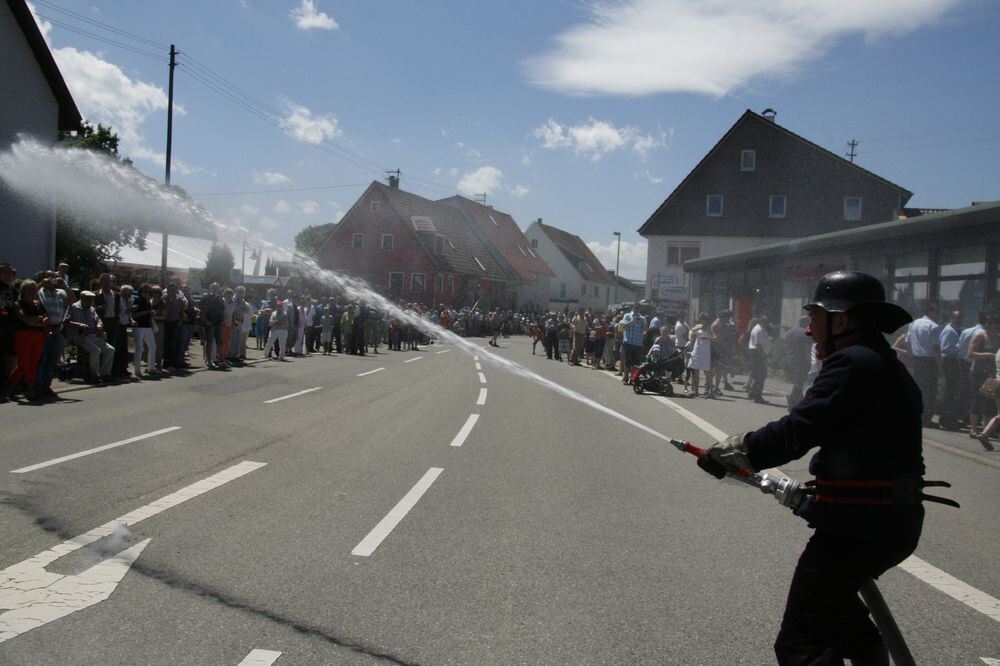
column 925, row 374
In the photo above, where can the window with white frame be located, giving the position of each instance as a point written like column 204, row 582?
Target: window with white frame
column 358, row 241
column 451, row 284
column 776, row 206
column 713, row 205
column 439, row 283
column 678, row 254
column 748, row 160
column 479, row 263
column 852, row 209
column 534, row 242
column 374, row 206
column 386, row 241
column 596, row 290
column 395, row 281
column 418, row 282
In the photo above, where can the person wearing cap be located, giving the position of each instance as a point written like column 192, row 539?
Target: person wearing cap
column 863, row 411
column 86, row 330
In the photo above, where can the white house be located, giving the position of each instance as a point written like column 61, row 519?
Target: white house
column 580, row 281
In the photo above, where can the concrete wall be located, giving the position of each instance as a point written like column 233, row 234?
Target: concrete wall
column 28, row 107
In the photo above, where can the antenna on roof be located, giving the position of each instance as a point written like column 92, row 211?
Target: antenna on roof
column 851, row 154
column 481, row 198
column 393, row 178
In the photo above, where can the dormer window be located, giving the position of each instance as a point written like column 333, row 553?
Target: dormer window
column 777, row 206
column 748, row 160
column 852, row 209
column 374, row 206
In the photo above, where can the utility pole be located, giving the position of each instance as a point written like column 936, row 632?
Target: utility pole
column 170, row 140
column 852, row 144
column 618, row 256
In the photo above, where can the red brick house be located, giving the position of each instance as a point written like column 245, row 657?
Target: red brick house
column 412, row 249
column 527, row 273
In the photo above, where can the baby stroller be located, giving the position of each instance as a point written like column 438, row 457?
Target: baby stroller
column 654, row 375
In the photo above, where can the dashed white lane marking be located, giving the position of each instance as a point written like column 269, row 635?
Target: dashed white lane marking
column 32, row 596
column 260, row 658
column 936, row 578
column 482, row 397
column 411, row 360
column 371, row 372
column 475, row 358
column 953, row 587
column 712, row 431
column 470, row 423
column 443, row 351
column 387, row 524
column 482, row 378
column 96, row 449
column 293, row 395
column 479, row 366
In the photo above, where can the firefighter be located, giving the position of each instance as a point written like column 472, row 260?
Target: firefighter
column 864, row 413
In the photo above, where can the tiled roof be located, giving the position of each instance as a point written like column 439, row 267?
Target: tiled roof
column 578, row 254
column 460, row 247
column 506, row 238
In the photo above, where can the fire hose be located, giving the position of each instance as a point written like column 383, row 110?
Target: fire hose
column 791, row 493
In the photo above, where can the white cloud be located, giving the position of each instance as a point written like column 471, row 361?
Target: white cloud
column 643, row 47
column 309, row 208
column 527, row 159
column 474, row 154
column 267, row 223
column 396, row 140
column 633, row 257
column 340, row 215
column 453, row 172
column 303, row 126
column 248, row 209
column 282, row 207
column 271, row 178
column 518, row 191
column 307, row 16
column 596, row 138
column 484, row 179
column 444, row 132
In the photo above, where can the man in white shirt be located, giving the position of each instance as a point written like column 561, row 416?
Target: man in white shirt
column 924, row 340
column 682, row 334
column 759, row 345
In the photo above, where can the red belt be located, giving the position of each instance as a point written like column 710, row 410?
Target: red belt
column 876, row 492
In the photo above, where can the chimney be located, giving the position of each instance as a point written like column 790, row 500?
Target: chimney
column 769, row 114
column 539, row 220
column 394, row 182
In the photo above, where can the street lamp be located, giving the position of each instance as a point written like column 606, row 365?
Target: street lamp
column 618, row 256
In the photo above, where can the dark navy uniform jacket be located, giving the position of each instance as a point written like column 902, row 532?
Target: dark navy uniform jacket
column 863, row 412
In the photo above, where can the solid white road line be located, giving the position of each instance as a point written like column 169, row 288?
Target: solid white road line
column 953, row 587
column 387, row 524
column 482, row 397
column 479, row 366
column 482, row 378
column 470, row 423
column 415, row 358
column 260, row 658
column 371, row 372
column 975, row 457
column 712, row 431
column 96, row 449
column 443, row 351
column 293, row 395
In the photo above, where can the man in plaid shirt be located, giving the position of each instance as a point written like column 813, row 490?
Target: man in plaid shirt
column 633, row 327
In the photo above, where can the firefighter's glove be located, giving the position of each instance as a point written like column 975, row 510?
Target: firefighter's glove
column 729, row 455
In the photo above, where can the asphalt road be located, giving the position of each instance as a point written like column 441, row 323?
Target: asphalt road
column 381, row 522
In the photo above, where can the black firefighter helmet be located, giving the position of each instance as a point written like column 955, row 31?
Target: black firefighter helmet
column 860, row 294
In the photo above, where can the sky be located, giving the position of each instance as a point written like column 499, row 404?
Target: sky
column 585, row 114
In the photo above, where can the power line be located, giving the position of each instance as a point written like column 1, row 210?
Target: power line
column 944, row 130
column 290, row 189
column 98, row 24
column 101, row 38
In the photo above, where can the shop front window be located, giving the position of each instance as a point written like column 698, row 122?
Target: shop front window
column 963, row 261
column 911, row 265
column 910, row 295
column 969, row 296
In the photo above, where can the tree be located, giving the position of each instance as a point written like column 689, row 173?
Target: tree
column 86, row 246
column 218, row 266
column 309, row 239
column 270, row 268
